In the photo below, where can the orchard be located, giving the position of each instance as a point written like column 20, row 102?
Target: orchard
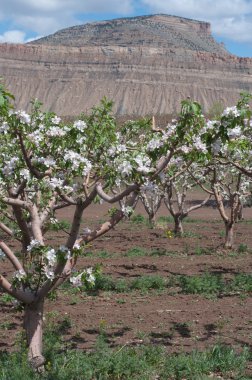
column 47, row 165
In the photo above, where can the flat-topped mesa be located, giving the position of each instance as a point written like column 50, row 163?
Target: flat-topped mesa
column 146, row 65
column 153, row 31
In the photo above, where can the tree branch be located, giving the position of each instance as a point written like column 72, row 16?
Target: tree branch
column 6, row 229
column 114, row 220
column 11, row 256
column 20, row 295
column 32, row 169
column 193, row 208
column 117, row 197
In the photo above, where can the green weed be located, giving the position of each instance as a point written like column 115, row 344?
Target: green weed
column 206, row 284
column 125, row 363
column 145, row 283
column 138, row 219
column 242, row 248
column 6, row 298
column 136, row 252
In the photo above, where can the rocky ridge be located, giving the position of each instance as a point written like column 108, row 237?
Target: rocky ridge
column 159, row 31
column 147, row 65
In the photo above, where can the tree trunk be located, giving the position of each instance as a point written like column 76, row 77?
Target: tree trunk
column 152, row 220
column 178, row 227
column 33, row 324
column 229, row 237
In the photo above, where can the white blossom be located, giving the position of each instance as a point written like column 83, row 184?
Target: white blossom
column 235, row 132
column 76, row 160
column 91, row 279
column 125, row 168
column 66, row 251
column 121, row 148
column 80, row 125
column 143, row 164
column 4, row 127
column 56, row 120
column 33, row 244
column 112, row 151
column 154, row 144
column 23, row 117
column 36, row 137
column 231, row 111
column 10, row 166
column 20, row 275
column 53, row 183
column 199, row 145
column 127, row 210
column 48, row 161
column 170, row 129
column 87, row 168
column 25, row 173
column 51, row 257
column 56, row 132
column 185, row 149
column 76, row 281
column 49, row 273
column 54, row 221
column 89, row 275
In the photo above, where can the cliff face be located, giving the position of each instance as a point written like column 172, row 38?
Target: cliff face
column 147, row 65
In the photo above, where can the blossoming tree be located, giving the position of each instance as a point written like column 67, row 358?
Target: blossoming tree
column 175, row 189
column 228, row 173
column 47, row 165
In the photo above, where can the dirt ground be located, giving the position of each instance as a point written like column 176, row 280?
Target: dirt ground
column 181, row 322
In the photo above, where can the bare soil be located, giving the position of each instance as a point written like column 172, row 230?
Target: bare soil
column 181, row 322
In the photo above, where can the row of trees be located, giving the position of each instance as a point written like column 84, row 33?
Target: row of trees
column 224, row 185
column 47, row 165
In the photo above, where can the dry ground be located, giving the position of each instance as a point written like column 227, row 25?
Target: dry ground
column 181, row 322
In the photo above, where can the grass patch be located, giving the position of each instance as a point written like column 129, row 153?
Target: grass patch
column 138, row 219
column 208, row 284
column 169, row 219
column 141, row 252
column 125, row 363
column 213, row 285
column 136, row 252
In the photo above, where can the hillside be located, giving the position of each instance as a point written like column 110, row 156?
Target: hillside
column 147, row 65
column 159, row 31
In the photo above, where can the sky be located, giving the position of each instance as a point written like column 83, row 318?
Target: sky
column 24, row 20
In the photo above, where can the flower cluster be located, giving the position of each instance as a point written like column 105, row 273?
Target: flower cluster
column 86, row 277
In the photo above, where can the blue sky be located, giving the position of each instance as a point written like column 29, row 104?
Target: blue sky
column 23, row 20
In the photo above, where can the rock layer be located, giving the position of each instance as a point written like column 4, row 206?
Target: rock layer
column 147, row 65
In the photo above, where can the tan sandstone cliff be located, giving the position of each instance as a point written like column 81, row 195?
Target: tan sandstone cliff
column 147, row 65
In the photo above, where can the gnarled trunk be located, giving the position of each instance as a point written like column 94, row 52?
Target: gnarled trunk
column 33, row 324
column 229, row 236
